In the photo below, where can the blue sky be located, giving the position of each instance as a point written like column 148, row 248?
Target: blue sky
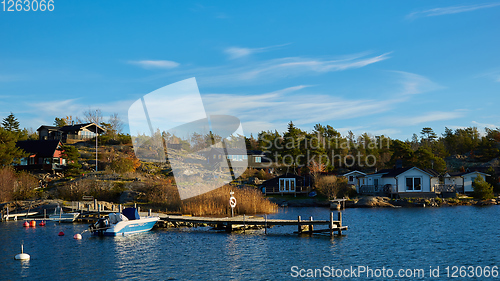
column 383, row 67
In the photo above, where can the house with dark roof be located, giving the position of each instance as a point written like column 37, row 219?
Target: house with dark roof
column 240, row 158
column 287, row 184
column 70, row 133
column 46, row 155
column 462, row 181
column 402, row 182
column 354, row 178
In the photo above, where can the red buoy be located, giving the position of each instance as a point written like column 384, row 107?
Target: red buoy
column 61, row 233
column 42, row 223
column 32, row 223
column 26, row 224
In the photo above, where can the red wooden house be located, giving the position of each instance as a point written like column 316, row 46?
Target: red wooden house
column 42, row 154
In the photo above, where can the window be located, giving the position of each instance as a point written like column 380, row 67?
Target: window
column 413, row 184
column 258, row 159
column 287, row 185
column 351, row 178
column 245, row 157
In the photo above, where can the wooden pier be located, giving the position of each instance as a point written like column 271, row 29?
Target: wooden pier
column 242, row 222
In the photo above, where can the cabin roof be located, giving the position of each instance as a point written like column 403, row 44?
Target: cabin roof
column 42, row 148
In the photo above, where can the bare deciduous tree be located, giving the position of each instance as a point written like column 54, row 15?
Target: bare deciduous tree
column 93, row 116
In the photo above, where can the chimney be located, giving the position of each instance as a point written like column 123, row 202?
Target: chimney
column 399, row 163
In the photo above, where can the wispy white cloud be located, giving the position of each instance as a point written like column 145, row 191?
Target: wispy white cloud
column 450, row 10
column 485, row 125
column 239, row 52
column 416, row 84
column 279, row 107
column 158, row 64
column 424, row 118
column 290, row 67
column 9, row 78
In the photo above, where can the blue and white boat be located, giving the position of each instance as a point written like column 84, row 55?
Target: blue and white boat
column 128, row 222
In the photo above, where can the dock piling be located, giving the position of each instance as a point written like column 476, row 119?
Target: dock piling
column 265, row 224
column 311, row 227
column 299, row 226
column 331, row 224
column 340, row 222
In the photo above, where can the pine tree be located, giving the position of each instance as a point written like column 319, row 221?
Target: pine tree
column 10, row 123
column 71, row 154
column 9, row 153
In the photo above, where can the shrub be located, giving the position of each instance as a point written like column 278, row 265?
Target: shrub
column 333, row 187
column 7, row 181
column 482, row 189
column 25, row 186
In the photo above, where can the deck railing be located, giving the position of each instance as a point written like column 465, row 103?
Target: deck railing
column 367, row 189
column 448, row 188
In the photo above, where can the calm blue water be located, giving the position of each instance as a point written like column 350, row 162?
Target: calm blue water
column 396, row 239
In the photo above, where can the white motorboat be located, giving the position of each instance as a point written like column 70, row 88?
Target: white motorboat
column 60, row 216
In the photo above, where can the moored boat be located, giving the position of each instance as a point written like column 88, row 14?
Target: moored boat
column 128, row 222
column 61, row 216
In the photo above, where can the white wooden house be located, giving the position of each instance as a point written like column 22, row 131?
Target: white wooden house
column 400, row 181
column 462, row 181
column 355, row 178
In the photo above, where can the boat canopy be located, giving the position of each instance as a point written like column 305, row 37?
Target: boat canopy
column 131, row 213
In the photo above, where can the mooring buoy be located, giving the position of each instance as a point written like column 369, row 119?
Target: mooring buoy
column 22, row 255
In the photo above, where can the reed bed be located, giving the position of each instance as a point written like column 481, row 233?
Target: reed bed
column 216, row 203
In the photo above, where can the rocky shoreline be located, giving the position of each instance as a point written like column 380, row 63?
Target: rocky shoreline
column 377, row 201
column 362, row 202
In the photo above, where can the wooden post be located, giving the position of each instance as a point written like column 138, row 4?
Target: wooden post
column 331, row 224
column 135, row 205
column 299, row 226
column 229, row 227
column 340, row 222
column 139, row 209
column 95, row 204
column 311, row 228
column 149, row 213
column 120, row 208
column 78, row 205
column 265, row 224
column 113, row 208
column 99, row 210
column 244, row 223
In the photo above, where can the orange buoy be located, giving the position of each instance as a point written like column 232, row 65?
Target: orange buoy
column 61, row 233
column 26, row 224
column 77, row 236
column 32, row 223
column 42, row 223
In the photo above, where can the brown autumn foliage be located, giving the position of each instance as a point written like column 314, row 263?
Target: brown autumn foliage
column 163, row 194
column 249, row 201
column 16, row 186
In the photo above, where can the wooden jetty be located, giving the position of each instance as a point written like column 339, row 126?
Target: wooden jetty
column 232, row 223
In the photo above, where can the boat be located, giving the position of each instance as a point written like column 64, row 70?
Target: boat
column 128, row 222
column 61, row 216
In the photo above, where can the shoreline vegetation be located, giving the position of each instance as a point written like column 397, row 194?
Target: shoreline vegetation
column 121, row 178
